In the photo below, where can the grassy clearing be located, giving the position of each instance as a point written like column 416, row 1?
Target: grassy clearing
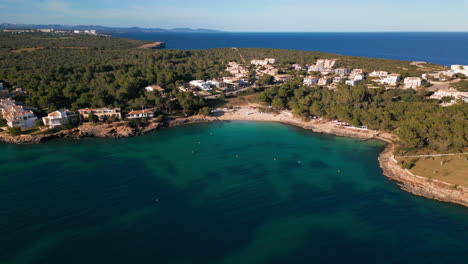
column 239, row 100
column 451, row 169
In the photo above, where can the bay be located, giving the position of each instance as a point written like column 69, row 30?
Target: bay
column 227, row 192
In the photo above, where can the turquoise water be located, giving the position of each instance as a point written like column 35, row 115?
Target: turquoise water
column 233, row 192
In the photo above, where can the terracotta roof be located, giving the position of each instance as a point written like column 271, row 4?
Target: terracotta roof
column 157, row 88
column 139, row 112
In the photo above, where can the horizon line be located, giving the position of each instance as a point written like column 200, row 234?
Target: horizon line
column 235, row 31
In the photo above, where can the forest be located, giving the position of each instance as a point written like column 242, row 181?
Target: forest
column 77, row 71
column 421, row 124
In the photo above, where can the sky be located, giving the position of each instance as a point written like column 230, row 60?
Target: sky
column 246, row 15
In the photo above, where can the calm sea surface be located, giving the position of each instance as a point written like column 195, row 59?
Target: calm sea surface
column 439, row 48
column 237, row 192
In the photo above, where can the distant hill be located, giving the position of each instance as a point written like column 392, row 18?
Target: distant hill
column 103, row 29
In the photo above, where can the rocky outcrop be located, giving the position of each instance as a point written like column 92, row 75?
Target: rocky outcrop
column 114, row 130
column 429, row 188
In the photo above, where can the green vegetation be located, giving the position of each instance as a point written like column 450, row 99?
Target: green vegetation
column 12, row 42
column 95, row 71
column 420, row 123
column 461, row 86
column 15, row 131
column 451, row 169
column 205, row 111
column 3, row 122
column 265, row 79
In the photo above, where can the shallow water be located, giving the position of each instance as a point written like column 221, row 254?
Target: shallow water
column 231, row 192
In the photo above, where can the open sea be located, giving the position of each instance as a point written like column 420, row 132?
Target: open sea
column 217, row 193
column 439, row 48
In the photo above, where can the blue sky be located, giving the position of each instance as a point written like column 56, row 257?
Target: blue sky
column 247, row 15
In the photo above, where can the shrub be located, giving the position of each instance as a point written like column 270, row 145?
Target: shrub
column 15, row 131
column 93, row 118
column 205, row 111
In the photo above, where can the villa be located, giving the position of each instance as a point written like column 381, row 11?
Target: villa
column 16, row 115
column 326, row 63
column 157, row 88
column 145, row 113
column 101, row 113
column 264, row 62
column 309, row 81
column 379, row 74
column 450, row 93
column 391, row 79
column 59, row 118
column 324, row 81
column 201, row 84
column 413, row 82
column 283, row 77
column 297, row 67
column 463, row 69
column 353, row 82
column 315, row 68
column 341, row 71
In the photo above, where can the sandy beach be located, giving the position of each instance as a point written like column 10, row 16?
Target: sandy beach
column 425, row 187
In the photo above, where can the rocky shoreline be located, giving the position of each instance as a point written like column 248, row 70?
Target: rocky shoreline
column 432, row 189
column 114, row 130
column 421, row 186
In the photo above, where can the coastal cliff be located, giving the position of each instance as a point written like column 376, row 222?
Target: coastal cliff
column 429, row 188
column 114, row 130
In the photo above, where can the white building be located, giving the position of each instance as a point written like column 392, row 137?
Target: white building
column 157, row 88
column 315, row 68
column 352, row 82
column 324, row 81
column 264, row 62
column 391, row 79
column 337, row 79
column 450, row 93
column 326, row 63
column 259, row 62
column 145, row 113
column 341, row 71
column 310, row 81
column 59, row 118
column 378, row 74
column 283, row 77
column 16, row 115
column 217, row 84
column 297, row 67
column 413, row 82
column 463, row 69
column 101, row 113
column 357, row 77
column 271, row 60
column 202, row 85
column 76, row 31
